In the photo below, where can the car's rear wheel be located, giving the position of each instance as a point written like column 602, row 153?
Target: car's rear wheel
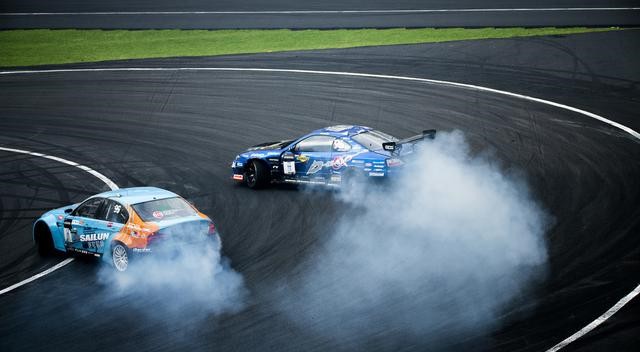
column 257, row 174
column 120, row 256
column 44, row 241
column 350, row 178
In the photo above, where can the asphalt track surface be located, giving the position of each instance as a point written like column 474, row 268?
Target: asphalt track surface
column 180, row 130
column 314, row 14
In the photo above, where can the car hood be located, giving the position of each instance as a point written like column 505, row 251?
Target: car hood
column 60, row 211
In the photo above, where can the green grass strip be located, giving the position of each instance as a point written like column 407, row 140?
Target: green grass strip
column 42, row 47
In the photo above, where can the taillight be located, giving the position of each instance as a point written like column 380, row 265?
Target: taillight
column 152, row 238
column 392, row 162
column 143, row 233
column 212, row 228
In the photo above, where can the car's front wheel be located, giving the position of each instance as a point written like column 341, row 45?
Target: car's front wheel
column 44, row 241
column 120, row 256
column 257, row 174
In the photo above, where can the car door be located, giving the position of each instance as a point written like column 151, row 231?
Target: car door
column 80, row 223
column 312, row 157
column 110, row 221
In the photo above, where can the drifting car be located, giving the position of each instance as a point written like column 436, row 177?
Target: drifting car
column 329, row 156
column 118, row 224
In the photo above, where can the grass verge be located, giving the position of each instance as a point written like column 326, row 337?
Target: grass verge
column 42, row 47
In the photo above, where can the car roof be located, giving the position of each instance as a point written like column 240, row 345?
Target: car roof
column 342, row 130
column 135, row 195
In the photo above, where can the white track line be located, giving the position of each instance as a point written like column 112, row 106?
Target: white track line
column 601, row 319
column 93, row 172
column 37, row 276
column 622, row 127
column 319, row 12
column 87, row 169
column 338, row 73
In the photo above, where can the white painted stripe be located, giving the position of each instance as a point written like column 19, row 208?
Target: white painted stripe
column 87, row 169
column 601, row 319
column 338, row 73
column 37, row 276
column 91, row 171
column 319, row 12
column 633, row 133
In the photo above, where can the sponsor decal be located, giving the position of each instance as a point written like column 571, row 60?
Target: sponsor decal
column 339, row 162
column 94, row 237
column 378, row 174
column 315, row 167
column 141, row 250
column 160, row 214
column 93, row 244
column 238, row 164
column 60, row 217
column 77, row 222
column 257, row 155
column 238, row 177
column 302, row 158
column 368, row 164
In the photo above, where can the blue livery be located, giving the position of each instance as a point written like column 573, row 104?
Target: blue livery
column 328, row 156
column 116, row 224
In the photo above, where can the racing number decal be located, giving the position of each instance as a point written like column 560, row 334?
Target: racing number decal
column 67, row 235
column 289, row 167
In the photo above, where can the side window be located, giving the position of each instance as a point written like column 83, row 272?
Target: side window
column 89, row 209
column 340, row 145
column 114, row 212
column 315, row 144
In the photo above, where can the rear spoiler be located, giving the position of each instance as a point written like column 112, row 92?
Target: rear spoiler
column 393, row 146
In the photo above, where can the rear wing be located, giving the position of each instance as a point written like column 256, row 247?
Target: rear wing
column 396, row 146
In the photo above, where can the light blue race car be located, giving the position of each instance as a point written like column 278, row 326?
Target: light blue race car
column 117, row 225
column 329, row 156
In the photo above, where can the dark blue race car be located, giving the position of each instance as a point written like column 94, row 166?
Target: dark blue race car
column 329, row 156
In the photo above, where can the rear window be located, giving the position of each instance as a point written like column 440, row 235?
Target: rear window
column 164, row 209
column 373, row 139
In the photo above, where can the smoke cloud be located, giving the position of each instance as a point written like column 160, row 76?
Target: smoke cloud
column 189, row 280
column 439, row 252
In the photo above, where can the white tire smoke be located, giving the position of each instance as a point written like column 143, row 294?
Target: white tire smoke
column 439, row 251
column 190, row 279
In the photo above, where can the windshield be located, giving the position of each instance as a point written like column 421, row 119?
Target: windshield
column 373, row 139
column 164, row 209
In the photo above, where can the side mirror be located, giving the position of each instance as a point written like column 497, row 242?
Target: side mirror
column 68, row 211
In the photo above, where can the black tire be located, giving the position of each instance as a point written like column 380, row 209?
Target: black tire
column 257, row 174
column 43, row 239
column 120, row 256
